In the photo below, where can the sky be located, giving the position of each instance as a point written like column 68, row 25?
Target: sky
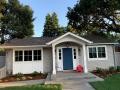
column 42, row 7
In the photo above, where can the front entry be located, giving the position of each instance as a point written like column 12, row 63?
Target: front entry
column 67, row 59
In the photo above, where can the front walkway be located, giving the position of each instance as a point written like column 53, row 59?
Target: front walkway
column 74, row 81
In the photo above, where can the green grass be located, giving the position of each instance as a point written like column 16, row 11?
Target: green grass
column 110, row 83
column 35, row 87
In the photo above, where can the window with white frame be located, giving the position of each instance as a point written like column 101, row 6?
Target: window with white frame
column 60, row 54
column 18, row 55
column 97, row 52
column 74, row 53
column 101, row 52
column 37, row 55
column 28, row 55
column 92, row 52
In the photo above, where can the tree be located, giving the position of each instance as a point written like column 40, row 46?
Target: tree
column 95, row 16
column 17, row 21
column 51, row 26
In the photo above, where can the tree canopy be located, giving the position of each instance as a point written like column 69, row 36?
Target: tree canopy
column 17, row 20
column 51, row 26
column 95, row 16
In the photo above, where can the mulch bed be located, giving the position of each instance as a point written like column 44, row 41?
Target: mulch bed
column 24, row 77
column 104, row 74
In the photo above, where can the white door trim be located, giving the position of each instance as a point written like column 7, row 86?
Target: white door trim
column 59, row 65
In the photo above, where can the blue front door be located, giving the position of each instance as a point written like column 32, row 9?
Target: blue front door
column 67, row 59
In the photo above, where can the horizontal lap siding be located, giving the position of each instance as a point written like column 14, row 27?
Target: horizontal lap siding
column 9, row 61
column 2, row 61
column 102, row 63
column 47, row 60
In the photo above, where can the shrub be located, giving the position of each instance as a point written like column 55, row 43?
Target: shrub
column 118, row 68
column 112, row 69
column 98, row 70
column 23, row 78
column 18, row 75
column 35, row 73
column 18, row 79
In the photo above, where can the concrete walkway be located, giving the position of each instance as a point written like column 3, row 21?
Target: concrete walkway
column 74, row 81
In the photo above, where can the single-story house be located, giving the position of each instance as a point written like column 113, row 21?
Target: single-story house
column 53, row 54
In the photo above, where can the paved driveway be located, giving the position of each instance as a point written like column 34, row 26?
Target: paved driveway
column 74, row 81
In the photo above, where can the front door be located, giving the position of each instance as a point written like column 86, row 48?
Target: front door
column 67, row 59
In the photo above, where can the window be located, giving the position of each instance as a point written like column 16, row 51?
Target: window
column 37, row 55
column 2, row 53
column 60, row 54
column 18, row 55
column 101, row 52
column 92, row 52
column 74, row 53
column 28, row 55
column 97, row 52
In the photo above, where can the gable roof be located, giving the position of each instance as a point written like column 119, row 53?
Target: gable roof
column 42, row 41
column 69, row 33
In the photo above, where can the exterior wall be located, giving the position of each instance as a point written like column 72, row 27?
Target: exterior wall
column 92, row 64
column 9, row 61
column 47, row 60
column 27, row 66
column 117, row 58
column 2, row 61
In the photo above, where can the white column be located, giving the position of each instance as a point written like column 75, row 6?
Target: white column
column 85, row 58
column 53, row 54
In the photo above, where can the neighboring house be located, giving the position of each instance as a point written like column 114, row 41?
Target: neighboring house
column 52, row 54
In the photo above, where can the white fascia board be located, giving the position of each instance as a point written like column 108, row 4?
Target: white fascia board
column 24, row 46
column 69, row 33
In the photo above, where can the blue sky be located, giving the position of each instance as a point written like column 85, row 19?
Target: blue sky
column 42, row 7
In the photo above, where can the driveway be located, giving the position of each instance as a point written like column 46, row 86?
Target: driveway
column 72, row 80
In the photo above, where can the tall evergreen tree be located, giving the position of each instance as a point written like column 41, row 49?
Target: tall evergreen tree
column 17, row 21
column 51, row 26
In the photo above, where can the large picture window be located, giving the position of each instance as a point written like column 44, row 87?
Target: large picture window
column 37, row 55
column 28, row 55
column 18, row 55
column 97, row 52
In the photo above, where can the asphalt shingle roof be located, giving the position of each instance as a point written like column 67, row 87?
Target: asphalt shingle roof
column 29, row 41
column 98, row 38
column 44, row 40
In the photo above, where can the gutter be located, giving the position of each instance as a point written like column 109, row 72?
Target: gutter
column 24, row 46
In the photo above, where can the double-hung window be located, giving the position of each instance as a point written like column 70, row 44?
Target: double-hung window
column 18, row 55
column 97, row 52
column 37, row 55
column 28, row 55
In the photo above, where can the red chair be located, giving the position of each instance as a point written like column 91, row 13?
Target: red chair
column 79, row 68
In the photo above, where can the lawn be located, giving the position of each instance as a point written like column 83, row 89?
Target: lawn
column 35, row 87
column 110, row 83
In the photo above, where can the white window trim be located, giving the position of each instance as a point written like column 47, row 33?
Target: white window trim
column 97, row 59
column 32, row 55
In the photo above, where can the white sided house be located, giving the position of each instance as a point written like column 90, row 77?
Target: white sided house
column 54, row 54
